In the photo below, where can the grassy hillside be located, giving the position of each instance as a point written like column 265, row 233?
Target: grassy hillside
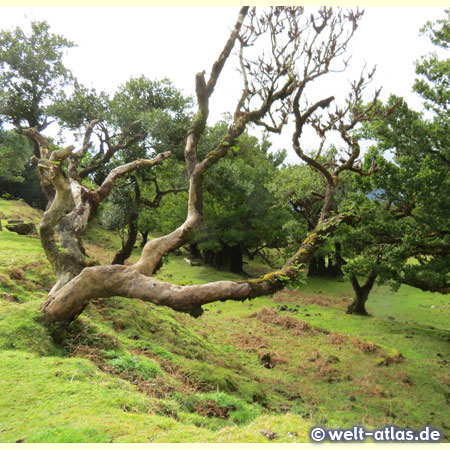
column 127, row 371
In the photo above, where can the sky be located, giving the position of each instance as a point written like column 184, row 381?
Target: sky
column 115, row 43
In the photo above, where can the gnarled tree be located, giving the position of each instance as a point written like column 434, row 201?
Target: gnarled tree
column 296, row 48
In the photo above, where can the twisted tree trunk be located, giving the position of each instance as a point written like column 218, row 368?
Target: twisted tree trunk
column 72, row 207
column 132, row 282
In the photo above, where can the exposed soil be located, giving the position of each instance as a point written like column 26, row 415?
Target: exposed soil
column 294, row 296
column 272, row 316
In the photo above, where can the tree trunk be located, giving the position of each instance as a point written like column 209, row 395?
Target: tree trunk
column 317, row 267
column 361, row 295
column 228, row 258
column 236, row 263
column 194, row 251
column 127, row 248
column 335, row 268
column 65, row 304
column 144, row 235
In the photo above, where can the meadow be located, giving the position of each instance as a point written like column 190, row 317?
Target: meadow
column 128, row 371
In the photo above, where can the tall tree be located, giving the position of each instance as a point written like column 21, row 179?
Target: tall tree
column 404, row 236
column 32, row 73
column 239, row 213
column 14, row 155
column 303, row 188
column 162, row 112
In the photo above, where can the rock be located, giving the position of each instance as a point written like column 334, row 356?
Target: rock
column 271, row 435
column 22, row 228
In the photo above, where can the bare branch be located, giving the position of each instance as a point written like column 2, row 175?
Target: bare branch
column 44, row 146
column 126, row 140
column 106, row 187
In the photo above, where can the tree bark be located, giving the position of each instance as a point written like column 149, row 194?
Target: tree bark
column 72, row 207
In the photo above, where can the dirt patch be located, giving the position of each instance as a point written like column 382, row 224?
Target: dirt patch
column 337, row 339
column 16, row 273
column 373, row 390
column 327, row 372
column 364, row 346
column 250, row 342
column 210, row 408
column 404, row 378
column 272, row 359
column 314, row 356
column 90, row 353
column 272, row 316
column 320, row 367
column 288, row 296
column 388, row 360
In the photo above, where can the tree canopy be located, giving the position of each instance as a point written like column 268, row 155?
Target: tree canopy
column 32, row 73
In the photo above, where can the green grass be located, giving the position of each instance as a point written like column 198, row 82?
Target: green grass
column 128, row 371
column 16, row 209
